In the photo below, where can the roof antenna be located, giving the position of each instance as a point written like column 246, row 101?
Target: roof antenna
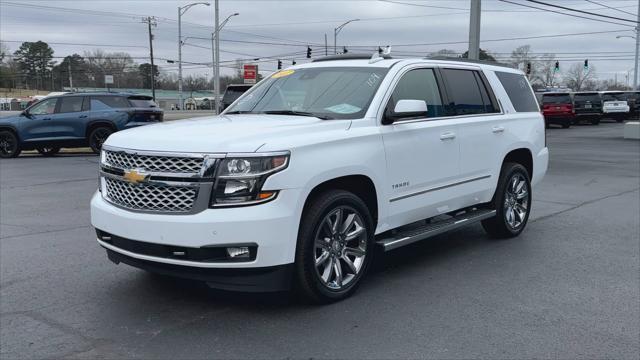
column 380, row 54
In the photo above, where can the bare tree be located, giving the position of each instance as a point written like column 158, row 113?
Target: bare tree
column 445, row 53
column 544, row 69
column 577, row 77
column 521, row 56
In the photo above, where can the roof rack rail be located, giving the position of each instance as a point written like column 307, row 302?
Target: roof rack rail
column 347, row 57
column 484, row 62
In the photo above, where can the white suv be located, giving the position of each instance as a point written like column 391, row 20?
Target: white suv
column 304, row 176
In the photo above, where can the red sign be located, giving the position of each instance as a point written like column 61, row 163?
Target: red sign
column 250, row 73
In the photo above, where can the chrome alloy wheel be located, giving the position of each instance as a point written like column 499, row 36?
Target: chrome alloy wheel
column 340, row 247
column 516, row 201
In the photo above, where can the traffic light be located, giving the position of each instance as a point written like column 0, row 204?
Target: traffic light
column 380, row 50
column 557, row 68
column 528, row 68
column 308, row 52
column 586, row 64
column 344, row 50
column 279, row 64
column 293, row 62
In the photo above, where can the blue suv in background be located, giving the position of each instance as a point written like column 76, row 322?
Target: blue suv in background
column 74, row 120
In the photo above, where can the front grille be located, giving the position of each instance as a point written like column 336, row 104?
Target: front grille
column 168, row 164
column 150, row 197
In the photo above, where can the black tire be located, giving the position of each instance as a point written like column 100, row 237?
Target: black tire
column 500, row 226
column 98, row 136
column 566, row 124
column 595, row 121
column 315, row 224
column 48, row 150
column 9, row 144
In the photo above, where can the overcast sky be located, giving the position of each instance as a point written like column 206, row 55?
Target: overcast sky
column 291, row 25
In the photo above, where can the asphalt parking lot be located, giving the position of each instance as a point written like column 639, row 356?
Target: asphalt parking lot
column 569, row 287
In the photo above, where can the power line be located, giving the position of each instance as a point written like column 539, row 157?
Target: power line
column 612, row 8
column 78, row 44
column 563, row 13
column 581, row 11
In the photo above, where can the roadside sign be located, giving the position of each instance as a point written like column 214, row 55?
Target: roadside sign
column 250, row 73
column 108, row 79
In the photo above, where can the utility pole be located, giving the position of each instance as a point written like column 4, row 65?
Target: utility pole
column 635, row 68
column 326, row 48
column 180, row 57
column 216, row 83
column 70, row 77
column 151, row 21
column 474, row 30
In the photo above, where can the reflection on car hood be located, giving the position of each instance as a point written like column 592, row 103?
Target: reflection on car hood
column 226, row 133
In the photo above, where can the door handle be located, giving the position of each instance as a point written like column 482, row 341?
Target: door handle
column 447, row 136
column 83, row 116
column 46, row 118
column 498, row 129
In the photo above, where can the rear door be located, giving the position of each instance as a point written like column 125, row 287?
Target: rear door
column 482, row 129
column 422, row 152
column 70, row 118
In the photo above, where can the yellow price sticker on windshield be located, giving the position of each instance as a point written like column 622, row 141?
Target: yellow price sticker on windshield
column 282, row 73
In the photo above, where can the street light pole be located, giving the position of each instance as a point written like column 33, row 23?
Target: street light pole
column 214, row 58
column 181, row 11
column 216, row 84
column 337, row 30
column 635, row 67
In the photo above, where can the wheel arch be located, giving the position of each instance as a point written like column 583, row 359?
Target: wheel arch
column 99, row 123
column 522, row 156
column 11, row 129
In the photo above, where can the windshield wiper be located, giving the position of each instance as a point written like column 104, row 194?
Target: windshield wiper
column 240, row 112
column 297, row 113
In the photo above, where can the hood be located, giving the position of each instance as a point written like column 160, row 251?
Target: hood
column 226, row 133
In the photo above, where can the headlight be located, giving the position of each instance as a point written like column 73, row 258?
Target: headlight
column 239, row 180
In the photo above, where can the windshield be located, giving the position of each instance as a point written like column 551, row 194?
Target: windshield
column 613, row 97
column 556, row 99
column 328, row 92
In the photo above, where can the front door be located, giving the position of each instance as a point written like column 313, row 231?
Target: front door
column 422, row 152
column 40, row 121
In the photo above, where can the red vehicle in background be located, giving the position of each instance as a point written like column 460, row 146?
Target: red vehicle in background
column 557, row 108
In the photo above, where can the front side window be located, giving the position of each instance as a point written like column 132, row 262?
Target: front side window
column 327, row 92
column 519, row 91
column 108, row 102
column 71, row 104
column 467, row 93
column 419, row 84
column 44, row 107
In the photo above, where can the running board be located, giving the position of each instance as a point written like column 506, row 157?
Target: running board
column 405, row 237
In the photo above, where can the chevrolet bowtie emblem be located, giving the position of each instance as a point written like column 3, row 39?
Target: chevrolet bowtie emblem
column 135, row 176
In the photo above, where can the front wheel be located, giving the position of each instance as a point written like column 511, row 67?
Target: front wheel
column 512, row 202
column 9, row 145
column 48, row 150
column 335, row 246
column 97, row 137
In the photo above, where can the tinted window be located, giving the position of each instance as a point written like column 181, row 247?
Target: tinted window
column 108, row 102
column 613, row 97
column 44, row 107
column 71, row 104
column 556, row 99
column 419, row 84
column 234, row 92
column 465, row 93
column 519, row 91
column 142, row 102
column 592, row 97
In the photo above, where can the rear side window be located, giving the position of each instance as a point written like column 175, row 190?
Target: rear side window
column 556, row 99
column 108, row 102
column 519, row 91
column 419, row 84
column 467, row 93
column 71, row 104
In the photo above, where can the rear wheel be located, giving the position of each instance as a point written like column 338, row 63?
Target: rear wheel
column 9, row 145
column 595, row 121
column 512, row 202
column 48, row 150
column 335, row 246
column 97, row 137
column 566, row 124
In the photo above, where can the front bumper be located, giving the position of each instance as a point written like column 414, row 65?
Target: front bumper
column 272, row 227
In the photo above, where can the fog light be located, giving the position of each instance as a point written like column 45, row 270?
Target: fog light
column 238, row 252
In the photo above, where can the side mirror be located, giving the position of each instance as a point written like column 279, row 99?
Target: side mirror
column 25, row 113
column 406, row 109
